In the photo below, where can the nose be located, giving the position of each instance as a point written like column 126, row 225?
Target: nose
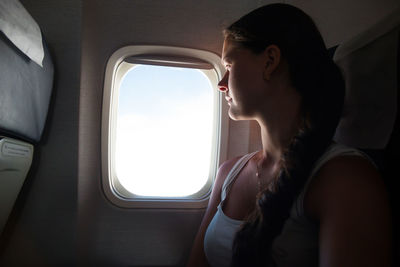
column 223, row 83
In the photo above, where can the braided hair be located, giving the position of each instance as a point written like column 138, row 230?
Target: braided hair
column 319, row 82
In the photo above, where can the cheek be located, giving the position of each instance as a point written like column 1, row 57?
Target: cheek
column 238, row 79
column 245, row 81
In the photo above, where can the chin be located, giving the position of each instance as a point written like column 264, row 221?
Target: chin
column 237, row 116
column 232, row 114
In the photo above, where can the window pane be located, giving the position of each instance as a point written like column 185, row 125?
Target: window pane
column 164, row 131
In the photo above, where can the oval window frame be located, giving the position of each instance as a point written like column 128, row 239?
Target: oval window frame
column 118, row 65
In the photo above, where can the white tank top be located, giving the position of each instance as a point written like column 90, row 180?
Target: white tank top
column 221, row 231
column 297, row 245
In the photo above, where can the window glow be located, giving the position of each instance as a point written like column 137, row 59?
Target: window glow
column 164, row 131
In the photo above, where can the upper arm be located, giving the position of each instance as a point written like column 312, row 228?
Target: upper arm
column 197, row 257
column 349, row 199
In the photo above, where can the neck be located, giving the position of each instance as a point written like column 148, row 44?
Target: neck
column 277, row 131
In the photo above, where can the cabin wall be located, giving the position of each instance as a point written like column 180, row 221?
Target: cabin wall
column 62, row 215
column 109, row 234
column 340, row 20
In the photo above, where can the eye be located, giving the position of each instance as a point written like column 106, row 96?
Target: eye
column 226, row 63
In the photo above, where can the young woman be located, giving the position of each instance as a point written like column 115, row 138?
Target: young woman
column 302, row 200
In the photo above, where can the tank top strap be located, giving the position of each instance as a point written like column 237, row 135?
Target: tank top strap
column 233, row 173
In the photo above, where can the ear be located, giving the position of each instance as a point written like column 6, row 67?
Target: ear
column 272, row 57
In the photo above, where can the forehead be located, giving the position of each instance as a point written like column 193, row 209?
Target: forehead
column 230, row 48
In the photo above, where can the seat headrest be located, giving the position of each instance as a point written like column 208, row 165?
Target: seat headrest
column 21, row 29
column 25, row 84
column 369, row 65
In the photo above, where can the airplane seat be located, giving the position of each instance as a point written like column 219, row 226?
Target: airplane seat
column 391, row 171
column 370, row 63
column 26, row 81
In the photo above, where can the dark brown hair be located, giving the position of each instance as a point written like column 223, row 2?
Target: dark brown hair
column 320, row 84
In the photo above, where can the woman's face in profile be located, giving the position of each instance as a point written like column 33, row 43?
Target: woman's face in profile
column 243, row 81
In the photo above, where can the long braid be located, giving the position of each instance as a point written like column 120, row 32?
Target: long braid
column 319, row 82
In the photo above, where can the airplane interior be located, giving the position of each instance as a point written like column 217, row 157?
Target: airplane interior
column 65, row 102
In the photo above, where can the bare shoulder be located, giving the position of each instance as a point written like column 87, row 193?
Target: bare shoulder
column 222, row 173
column 349, row 200
column 224, row 170
column 348, row 178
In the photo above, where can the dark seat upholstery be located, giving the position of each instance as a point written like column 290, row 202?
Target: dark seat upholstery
column 388, row 157
column 391, row 169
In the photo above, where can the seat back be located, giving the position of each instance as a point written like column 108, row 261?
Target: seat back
column 26, row 81
column 370, row 63
column 391, row 168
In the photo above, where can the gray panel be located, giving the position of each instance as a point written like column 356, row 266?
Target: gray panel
column 42, row 231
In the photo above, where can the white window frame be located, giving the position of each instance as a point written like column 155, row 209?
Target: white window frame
column 165, row 56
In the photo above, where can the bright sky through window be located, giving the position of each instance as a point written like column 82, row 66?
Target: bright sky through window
column 164, row 131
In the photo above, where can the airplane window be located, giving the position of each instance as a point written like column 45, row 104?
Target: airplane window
column 164, row 131
column 163, row 135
